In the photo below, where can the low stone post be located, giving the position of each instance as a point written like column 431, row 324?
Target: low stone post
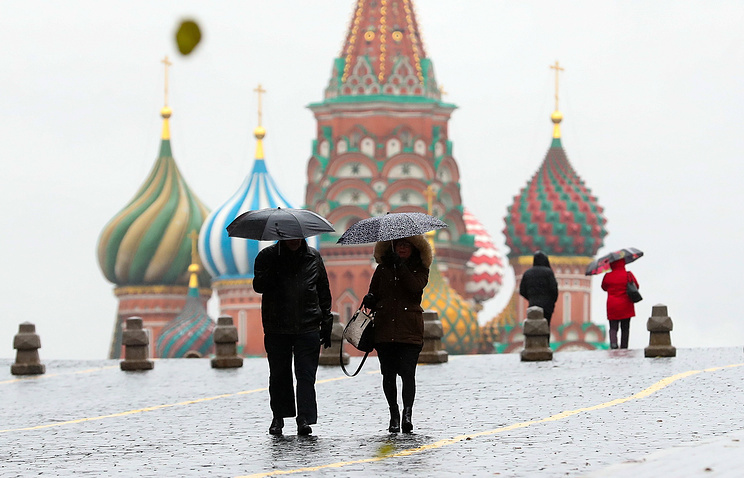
column 225, row 337
column 27, row 344
column 330, row 356
column 136, row 343
column 659, row 326
column 433, row 351
column 536, row 337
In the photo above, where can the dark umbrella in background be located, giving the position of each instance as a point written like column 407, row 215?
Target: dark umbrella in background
column 598, row 266
column 274, row 224
column 389, row 227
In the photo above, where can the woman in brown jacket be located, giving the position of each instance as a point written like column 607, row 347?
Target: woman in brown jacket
column 395, row 295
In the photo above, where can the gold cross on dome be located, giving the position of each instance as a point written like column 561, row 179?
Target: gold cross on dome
column 167, row 63
column 193, row 235
column 259, row 91
column 557, row 69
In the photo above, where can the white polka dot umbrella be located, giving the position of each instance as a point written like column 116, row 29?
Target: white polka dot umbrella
column 389, row 227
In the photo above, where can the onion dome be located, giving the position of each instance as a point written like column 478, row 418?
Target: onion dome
column 147, row 243
column 486, row 263
column 190, row 333
column 383, row 54
column 459, row 322
column 227, row 257
column 555, row 213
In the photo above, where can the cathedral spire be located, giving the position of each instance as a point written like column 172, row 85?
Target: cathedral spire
column 557, row 116
column 165, row 112
column 383, row 54
column 260, row 131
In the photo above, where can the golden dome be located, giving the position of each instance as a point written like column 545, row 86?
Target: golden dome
column 556, row 117
column 166, row 112
column 459, row 321
column 259, row 132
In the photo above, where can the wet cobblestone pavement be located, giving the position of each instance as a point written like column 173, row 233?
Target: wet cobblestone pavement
column 605, row 413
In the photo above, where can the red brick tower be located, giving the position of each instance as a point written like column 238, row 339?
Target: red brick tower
column 381, row 140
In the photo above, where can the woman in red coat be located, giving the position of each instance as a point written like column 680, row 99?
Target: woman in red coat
column 619, row 306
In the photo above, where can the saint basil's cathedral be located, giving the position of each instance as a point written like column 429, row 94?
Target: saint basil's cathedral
column 381, row 145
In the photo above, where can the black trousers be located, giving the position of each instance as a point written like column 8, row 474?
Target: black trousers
column 398, row 359
column 624, row 332
column 280, row 350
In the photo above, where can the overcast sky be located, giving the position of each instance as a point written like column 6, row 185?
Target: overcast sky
column 651, row 97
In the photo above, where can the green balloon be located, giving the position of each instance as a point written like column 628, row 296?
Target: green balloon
column 188, row 36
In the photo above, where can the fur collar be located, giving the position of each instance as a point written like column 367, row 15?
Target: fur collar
column 419, row 242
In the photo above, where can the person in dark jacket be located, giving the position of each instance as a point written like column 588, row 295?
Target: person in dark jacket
column 395, row 293
column 619, row 306
column 296, row 316
column 539, row 286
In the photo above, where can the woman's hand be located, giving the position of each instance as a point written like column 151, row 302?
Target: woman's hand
column 391, row 258
column 369, row 301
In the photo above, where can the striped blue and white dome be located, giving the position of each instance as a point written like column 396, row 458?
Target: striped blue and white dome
column 227, row 257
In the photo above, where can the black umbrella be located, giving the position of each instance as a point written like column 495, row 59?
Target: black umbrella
column 274, row 224
column 391, row 226
column 602, row 264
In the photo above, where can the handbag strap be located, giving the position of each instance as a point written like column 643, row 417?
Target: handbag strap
column 341, row 359
column 341, row 355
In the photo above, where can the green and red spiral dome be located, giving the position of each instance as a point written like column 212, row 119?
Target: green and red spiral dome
column 555, row 213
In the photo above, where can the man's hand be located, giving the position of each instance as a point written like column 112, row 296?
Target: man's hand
column 325, row 336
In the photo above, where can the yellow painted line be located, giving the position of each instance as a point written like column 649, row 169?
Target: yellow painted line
column 147, row 409
column 665, row 382
column 132, row 412
column 39, row 377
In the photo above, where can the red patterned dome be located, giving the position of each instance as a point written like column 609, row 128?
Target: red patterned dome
column 486, row 263
column 555, row 213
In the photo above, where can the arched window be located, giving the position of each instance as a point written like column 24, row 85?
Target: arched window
column 368, row 147
column 419, row 147
column 324, row 148
column 393, row 147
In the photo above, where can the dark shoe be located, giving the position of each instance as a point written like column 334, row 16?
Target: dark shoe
column 407, row 425
column 276, row 426
column 394, row 420
column 302, row 427
column 613, row 346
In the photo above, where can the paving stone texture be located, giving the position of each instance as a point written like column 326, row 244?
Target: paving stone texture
column 482, row 415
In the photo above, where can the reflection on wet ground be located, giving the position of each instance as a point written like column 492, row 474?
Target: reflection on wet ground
column 474, row 416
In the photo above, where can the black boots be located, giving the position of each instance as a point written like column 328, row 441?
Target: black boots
column 276, row 426
column 302, row 426
column 394, row 420
column 407, row 425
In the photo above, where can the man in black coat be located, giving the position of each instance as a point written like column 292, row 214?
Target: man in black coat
column 539, row 286
column 296, row 316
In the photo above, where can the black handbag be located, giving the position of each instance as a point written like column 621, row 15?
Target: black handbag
column 632, row 291
column 359, row 332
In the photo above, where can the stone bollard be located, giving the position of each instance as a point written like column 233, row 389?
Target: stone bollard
column 433, row 351
column 659, row 326
column 27, row 344
column 330, row 356
column 536, row 337
column 225, row 337
column 136, row 343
